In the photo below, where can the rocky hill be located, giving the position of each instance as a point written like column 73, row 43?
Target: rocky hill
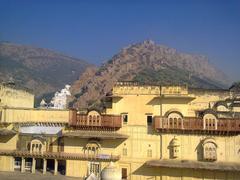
column 145, row 62
column 41, row 70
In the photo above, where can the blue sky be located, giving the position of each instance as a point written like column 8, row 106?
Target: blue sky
column 96, row 30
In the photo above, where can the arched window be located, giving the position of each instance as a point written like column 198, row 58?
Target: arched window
column 174, row 148
column 175, row 120
column 209, row 150
column 94, row 118
column 209, row 122
column 92, row 148
column 37, row 146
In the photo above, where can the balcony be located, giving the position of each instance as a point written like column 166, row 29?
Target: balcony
column 193, row 124
column 60, row 155
column 95, row 134
column 95, row 120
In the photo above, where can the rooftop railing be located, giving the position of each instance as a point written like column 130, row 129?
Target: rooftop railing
column 60, row 155
column 103, row 121
column 196, row 124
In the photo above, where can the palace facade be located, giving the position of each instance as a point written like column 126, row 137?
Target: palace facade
column 146, row 131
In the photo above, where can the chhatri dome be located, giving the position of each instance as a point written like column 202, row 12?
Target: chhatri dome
column 111, row 172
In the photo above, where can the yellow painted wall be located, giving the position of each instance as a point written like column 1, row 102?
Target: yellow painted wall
column 77, row 145
column 204, row 98
column 227, row 149
column 136, row 106
column 17, row 115
column 156, row 100
column 76, row 168
column 6, row 163
column 8, row 142
column 15, row 98
column 137, row 144
column 137, row 103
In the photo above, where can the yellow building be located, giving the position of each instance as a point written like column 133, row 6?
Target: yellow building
column 13, row 97
column 149, row 132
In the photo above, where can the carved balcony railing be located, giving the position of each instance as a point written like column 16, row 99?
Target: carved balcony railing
column 60, row 155
column 95, row 121
column 196, row 124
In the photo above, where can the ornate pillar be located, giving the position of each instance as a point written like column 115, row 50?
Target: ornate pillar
column 23, row 165
column 33, row 165
column 44, row 166
column 55, row 166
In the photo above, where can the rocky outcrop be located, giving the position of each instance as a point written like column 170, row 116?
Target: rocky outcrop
column 145, row 62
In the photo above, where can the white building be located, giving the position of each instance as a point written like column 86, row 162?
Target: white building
column 59, row 101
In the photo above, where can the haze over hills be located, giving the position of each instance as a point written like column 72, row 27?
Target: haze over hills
column 41, row 70
column 145, row 62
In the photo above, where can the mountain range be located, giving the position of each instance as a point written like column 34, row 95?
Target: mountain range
column 46, row 71
column 41, row 70
column 145, row 62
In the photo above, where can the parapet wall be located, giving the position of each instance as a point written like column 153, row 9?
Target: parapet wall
column 223, row 93
column 206, row 98
column 12, row 97
column 131, row 88
column 30, row 115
